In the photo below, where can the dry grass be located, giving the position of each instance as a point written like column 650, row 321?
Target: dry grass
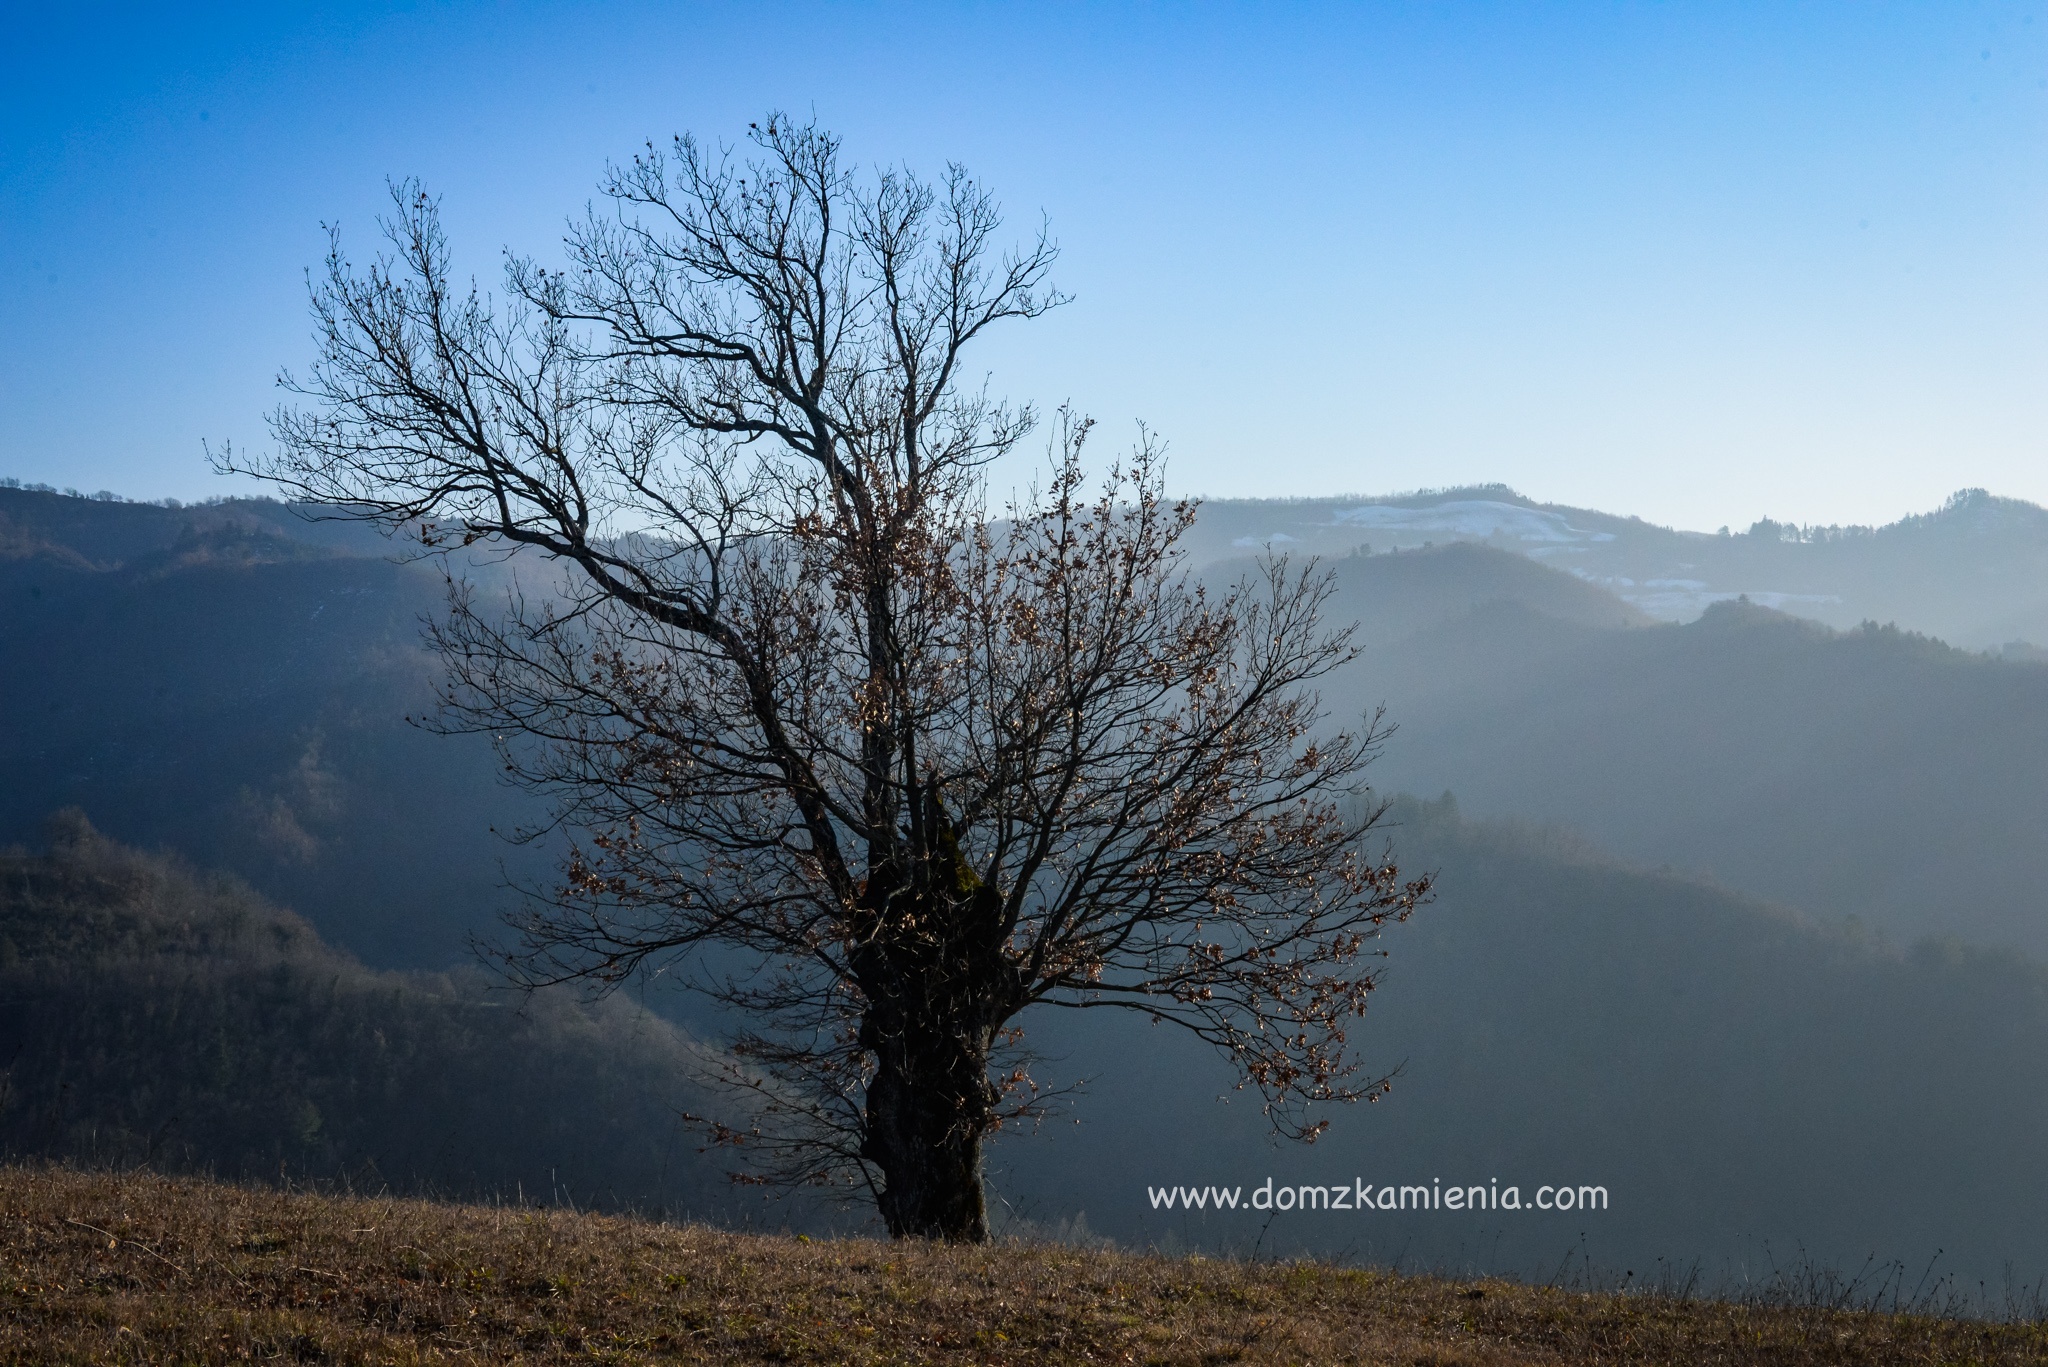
column 141, row 1268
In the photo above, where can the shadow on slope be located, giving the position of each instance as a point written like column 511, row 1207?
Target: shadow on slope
column 1394, row 596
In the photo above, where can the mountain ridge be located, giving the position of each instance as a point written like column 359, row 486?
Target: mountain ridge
column 1974, row 571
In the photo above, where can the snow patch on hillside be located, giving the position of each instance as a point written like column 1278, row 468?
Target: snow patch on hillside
column 1470, row 519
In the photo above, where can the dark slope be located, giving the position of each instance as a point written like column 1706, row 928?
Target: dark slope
column 1394, row 596
column 155, row 1015
column 214, row 683
column 107, row 534
column 1870, row 773
column 1745, row 1083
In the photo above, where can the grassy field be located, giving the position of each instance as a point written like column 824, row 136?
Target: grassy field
column 141, row 1268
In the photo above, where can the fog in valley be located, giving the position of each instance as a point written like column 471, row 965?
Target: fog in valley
column 1739, row 909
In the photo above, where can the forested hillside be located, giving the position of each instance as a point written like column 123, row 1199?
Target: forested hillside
column 156, row 1015
column 235, row 682
column 1871, row 772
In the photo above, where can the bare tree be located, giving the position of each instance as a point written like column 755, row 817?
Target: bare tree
column 883, row 767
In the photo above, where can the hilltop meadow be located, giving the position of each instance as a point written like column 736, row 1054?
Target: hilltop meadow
column 141, row 1268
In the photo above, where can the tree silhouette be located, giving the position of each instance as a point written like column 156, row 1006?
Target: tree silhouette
column 866, row 760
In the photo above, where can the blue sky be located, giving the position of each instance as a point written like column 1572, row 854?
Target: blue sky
column 1702, row 263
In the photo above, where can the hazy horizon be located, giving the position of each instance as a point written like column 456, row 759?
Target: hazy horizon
column 227, row 489
column 1699, row 267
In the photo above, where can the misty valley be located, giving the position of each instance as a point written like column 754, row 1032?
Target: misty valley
column 1738, row 909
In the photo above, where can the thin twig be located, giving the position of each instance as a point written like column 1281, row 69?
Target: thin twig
column 109, row 1234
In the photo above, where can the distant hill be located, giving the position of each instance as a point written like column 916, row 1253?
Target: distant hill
column 234, row 681
column 1871, row 772
column 155, row 1015
column 107, row 533
column 1396, row 595
column 1973, row 572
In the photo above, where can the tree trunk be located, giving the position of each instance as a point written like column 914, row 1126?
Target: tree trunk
column 937, row 993
column 927, row 1110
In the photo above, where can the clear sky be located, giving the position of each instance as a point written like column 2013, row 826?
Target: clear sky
column 1698, row 262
